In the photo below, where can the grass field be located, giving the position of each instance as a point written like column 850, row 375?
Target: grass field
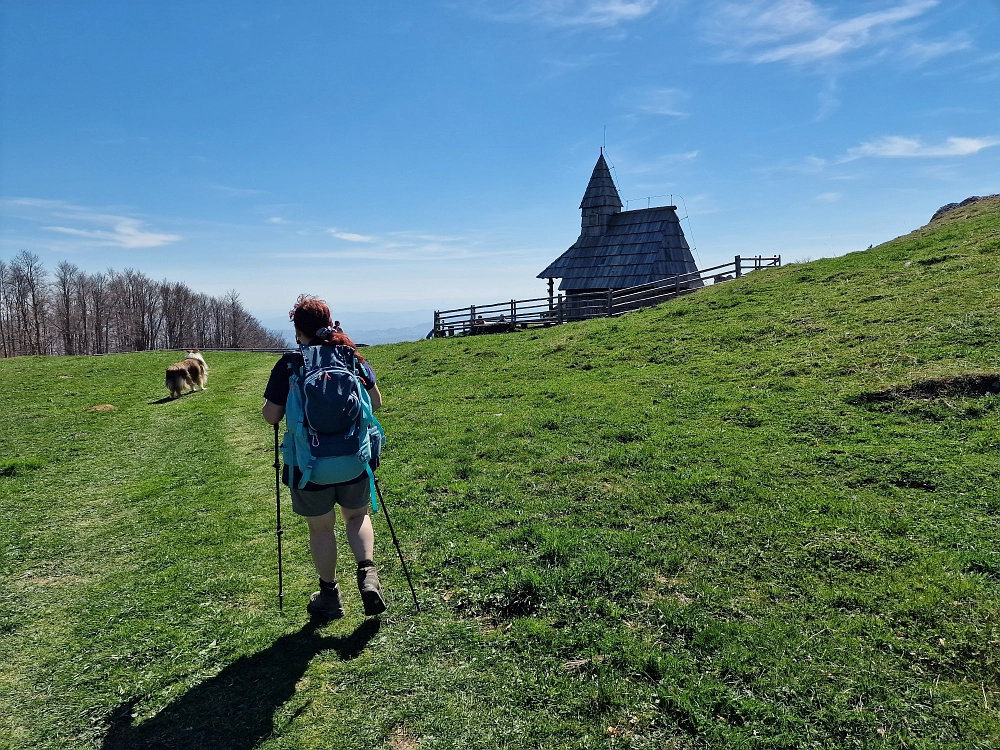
column 763, row 516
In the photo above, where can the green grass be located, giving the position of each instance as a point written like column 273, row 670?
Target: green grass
column 763, row 516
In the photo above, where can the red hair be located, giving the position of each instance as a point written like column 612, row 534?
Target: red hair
column 310, row 314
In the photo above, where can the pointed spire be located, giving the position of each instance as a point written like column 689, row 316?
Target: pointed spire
column 601, row 191
column 600, row 201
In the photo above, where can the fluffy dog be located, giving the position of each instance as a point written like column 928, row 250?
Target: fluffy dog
column 188, row 375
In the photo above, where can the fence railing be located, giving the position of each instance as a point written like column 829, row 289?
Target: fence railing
column 263, row 349
column 502, row 317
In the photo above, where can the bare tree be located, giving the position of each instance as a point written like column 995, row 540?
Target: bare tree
column 202, row 323
column 236, row 323
column 81, row 301
column 19, row 331
column 63, row 307
column 6, row 342
column 217, row 316
column 100, row 305
column 80, row 313
column 138, row 313
column 31, row 301
column 176, row 302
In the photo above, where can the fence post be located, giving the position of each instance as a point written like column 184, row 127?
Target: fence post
column 611, row 301
column 513, row 313
column 739, row 266
column 560, row 308
column 779, row 260
column 437, row 323
column 472, row 318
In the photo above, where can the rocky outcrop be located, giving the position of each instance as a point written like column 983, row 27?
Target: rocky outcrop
column 967, row 202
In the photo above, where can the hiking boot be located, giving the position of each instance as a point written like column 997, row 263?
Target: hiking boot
column 370, row 588
column 326, row 602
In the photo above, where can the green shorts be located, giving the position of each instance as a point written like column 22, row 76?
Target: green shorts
column 320, row 502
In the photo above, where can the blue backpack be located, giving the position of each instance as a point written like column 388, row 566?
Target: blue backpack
column 331, row 434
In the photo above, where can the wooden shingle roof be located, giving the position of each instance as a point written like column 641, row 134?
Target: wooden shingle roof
column 637, row 247
column 619, row 249
column 601, row 190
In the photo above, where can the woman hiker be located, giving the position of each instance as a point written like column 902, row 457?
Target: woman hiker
column 313, row 327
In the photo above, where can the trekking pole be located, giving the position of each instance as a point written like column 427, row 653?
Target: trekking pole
column 381, row 500
column 277, row 509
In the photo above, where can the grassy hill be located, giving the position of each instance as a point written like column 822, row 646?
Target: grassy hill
column 763, row 516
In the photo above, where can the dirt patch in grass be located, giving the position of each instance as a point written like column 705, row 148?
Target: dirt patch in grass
column 400, row 740
column 103, row 407
column 972, row 385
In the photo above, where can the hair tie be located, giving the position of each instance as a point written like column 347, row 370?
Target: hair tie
column 324, row 333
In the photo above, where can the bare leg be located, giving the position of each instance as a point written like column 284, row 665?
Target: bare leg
column 323, row 544
column 360, row 534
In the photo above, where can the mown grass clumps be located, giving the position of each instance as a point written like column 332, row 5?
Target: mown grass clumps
column 20, row 467
column 762, row 516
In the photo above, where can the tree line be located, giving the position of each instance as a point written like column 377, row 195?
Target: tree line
column 71, row 311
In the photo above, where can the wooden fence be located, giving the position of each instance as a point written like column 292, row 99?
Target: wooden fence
column 503, row 317
column 270, row 350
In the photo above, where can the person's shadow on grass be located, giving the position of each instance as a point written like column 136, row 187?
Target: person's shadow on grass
column 234, row 710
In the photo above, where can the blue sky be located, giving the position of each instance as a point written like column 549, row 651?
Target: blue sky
column 394, row 156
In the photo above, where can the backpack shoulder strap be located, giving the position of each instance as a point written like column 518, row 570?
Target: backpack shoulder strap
column 312, row 357
column 296, row 447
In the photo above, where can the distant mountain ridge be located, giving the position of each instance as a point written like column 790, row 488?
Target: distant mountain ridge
column 391, row 335
column 370, row 327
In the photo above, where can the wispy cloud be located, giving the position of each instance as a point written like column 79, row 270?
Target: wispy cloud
column 663, row 102
column 98, row 228
column 803, row 31
column 829, row 197
column 811, row 165
column 761, row 22
column 408, row 245
column 126, row 233
column 828, row 101
column 659, row 163
column 921, row 52
column 560, row 66
column 412, row 235
column 277, row 220
column 566, row 13
column 988, row 64
column 350, row 236
column 408, row 253
column 994, row 73
column 845, row 36
column 32, row 203
column 897, row 146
